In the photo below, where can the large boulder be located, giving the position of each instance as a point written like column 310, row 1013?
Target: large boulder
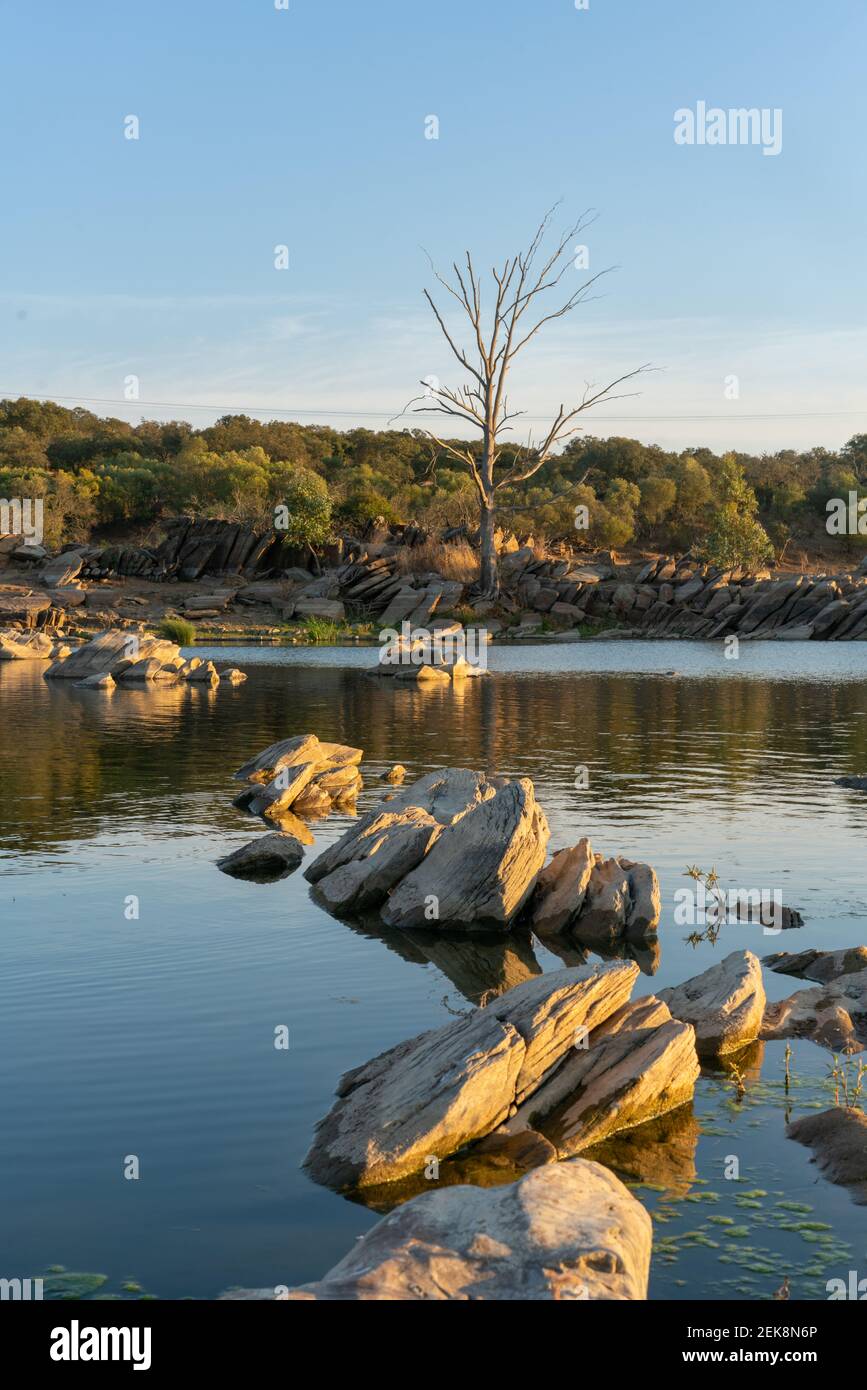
column 25, row 646
column 367, row 865
column 480, row 871
column 725, row 1004
column 561, row 887
column 299, row 773
column 565, row 1232
column 431, row 1095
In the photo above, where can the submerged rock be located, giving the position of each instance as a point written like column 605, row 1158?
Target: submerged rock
column 858, row 784
column 725, row 1004
column 838, row 1138
column 566, row 1231
column 431, row 1095
column 270, row 857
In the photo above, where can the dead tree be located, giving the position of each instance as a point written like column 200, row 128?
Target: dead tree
column 497, row 339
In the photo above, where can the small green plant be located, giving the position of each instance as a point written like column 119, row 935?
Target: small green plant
column 321, row 630
column 715, row 905
column 847, row 1077
column 178, row 630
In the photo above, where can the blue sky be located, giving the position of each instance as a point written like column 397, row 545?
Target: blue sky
column 306, row 127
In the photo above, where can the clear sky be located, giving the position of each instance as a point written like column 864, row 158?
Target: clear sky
column 306, row 127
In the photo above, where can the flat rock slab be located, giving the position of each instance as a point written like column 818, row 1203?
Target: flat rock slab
column 838, row 1138
column 433, row 1094
column 725, row 1004
column 638, row 1065
column 565, row 1232
column 823, row 966
column 269, row 857
column 834, row 1015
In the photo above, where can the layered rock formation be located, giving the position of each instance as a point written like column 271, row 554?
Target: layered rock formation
column 300, row 775
column 119, row 656
column 564, row 1055
column 456, row 850
column 593, row 901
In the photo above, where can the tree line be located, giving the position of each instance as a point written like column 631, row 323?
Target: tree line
column 104, row 475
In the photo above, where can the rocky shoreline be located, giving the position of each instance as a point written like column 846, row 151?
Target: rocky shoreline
column 229, row 578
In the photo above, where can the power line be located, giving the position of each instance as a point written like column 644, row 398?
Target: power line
column 729, row 418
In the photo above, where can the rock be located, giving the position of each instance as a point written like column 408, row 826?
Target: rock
column 287, row 751
column 823, row 966
column 395, row 774
column 639, row 1064
column 232, row 676
column 479, row 872
column 62, row 570
column 433, row 1094
column 561, row 887
column 369, row 861
column 330, row 609
column 621, row 901
column 767, row 913
column 564, row 1232
column 269, row 857
column 125, row 655
column 98, row 681
column 858, row 784
column 145, row 670
column 209, row 603
column 205, row 674
column 445, row 795
column 25, row 646
column 838, row 1138
column 312, row 801
column 725, row 1004
column 834, row 1015
column 282, row 774
column 22, row 607
column 426, row 675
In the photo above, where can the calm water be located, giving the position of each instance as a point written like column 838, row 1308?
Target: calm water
column 154, row 1037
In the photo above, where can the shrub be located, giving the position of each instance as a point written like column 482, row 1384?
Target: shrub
column 177, row 630
column 455, row 560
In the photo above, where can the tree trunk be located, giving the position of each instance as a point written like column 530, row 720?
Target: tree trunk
column 489, row 581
